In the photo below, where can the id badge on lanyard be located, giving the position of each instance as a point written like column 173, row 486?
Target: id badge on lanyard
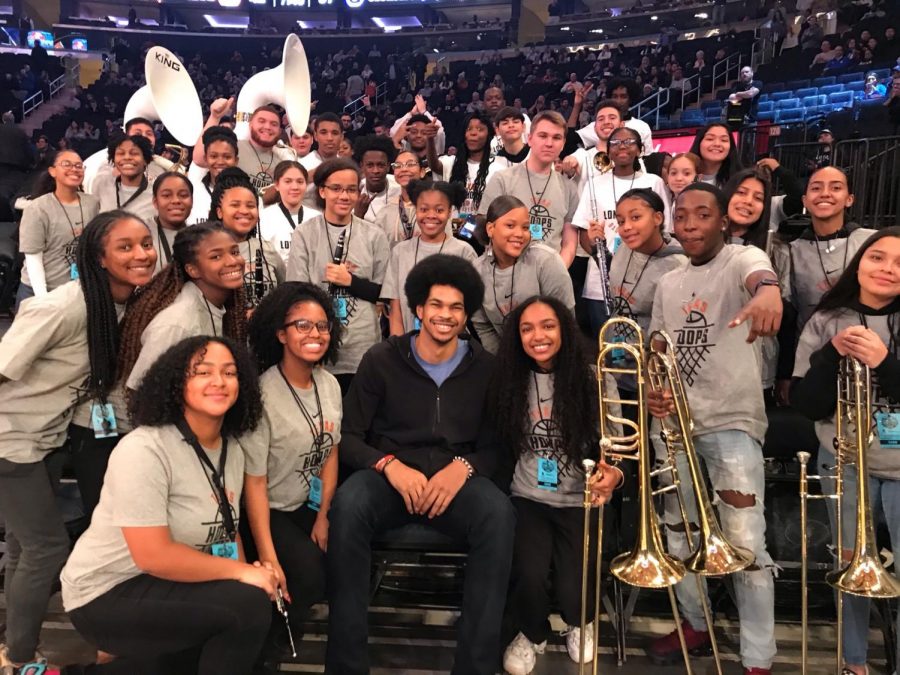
column 315, row 493
column 888, row 426
column 103, row 420
column 547, row 474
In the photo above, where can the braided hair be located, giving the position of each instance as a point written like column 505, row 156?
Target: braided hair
column 102, row 320
column 460, row 171
column 165, row 287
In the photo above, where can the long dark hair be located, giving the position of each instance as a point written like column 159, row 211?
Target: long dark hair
column 845, row 292
column 159, row 399
column 574, row 386
column 44, row 184
column 732, row 163
column 758, row 232
column 165, row 287
column 460, row 171
column 269, row 317
column 102, row 321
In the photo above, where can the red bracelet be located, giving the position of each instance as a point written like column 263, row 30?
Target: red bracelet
column 383, row 462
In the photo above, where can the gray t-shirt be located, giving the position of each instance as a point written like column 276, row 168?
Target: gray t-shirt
column 633, row 278
column 44, row 355
column 106, row 190
column 188, row 316
column 50, row 228
column 721, row 371
column 815, row 265
column 538, row 271
column 884, row 462
column 404, row 256
column 283, row 446
column 154, row 479
column 390, row 221
column 264, row 269
column 544, row 441
column 162, row 259
column 260, row 163
column 366, row 254
column 551, row 200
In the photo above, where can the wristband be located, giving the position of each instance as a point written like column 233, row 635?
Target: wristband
column 768, row 281
column 465, row 462
column 382, row 463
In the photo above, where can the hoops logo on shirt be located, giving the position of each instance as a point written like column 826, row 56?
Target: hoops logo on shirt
column 546, row 440
column 692, row 340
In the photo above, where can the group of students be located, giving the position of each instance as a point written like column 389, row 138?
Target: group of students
column 161, row 343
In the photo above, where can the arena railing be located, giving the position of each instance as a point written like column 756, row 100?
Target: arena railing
column 768, row 140
column 873, row 168
column 654, row 105
column 357, row 104
column 33, row 102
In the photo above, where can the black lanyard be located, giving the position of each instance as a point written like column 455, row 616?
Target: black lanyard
column 310, row 419
column 440, row 250
column 643, row 269
column 66, row 214
column 822, row 262
column 290, row 218
column 891, row 320
column 141, row 188
column 408, row 225
column 215, row 476
column 163, row 242
column 540, row 195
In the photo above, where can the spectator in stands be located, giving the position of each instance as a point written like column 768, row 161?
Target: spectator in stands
column 160, row 552
column 838, row 62
column 43, row 151
column 826, row 53
column 745, row 94
column 302, row 143
column 811, row 34
column 873, row 90
column 889, row 47
column 329, row 133
column 893, row 100
column 509, row 126
column 714, row 145
column 571, row 85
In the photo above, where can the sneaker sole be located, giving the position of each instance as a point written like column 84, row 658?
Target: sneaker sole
column 676, row 657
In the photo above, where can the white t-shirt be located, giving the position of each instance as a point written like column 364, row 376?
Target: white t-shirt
column 277, row 227
column 598, row 202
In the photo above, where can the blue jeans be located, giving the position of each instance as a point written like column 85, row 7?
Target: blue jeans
column 733, row 462
column 366, row 505
column 884, row 496
column 597, row 315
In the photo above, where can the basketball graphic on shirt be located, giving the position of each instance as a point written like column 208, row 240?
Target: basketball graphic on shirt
column 217, row 532
column 261, row 180
column 310, row 463
column 539, row 215
column 693, row 345
column 71, row 248
column 546, row 440
column 622, row 308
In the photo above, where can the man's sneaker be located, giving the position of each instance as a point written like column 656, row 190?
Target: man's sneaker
column 757, row 671
column 574, row 643
column 667, row 650
column 518, row 659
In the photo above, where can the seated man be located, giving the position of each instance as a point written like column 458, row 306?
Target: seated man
column 416, row 432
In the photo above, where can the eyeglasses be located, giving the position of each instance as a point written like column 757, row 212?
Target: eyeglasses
column 304, row 326
column 343, row 189
column 405, row 165
column 66, row 164
column 622, row 142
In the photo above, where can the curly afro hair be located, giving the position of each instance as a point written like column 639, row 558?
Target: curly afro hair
column 270, row 317
column 444, row 270
column 159, row 399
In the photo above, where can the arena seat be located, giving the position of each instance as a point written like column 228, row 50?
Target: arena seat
column 824, row 81
column 781, row 95
column 786, row 103
column 831, row 89
column 841, row 99
column 806, row 91
column 790, row 115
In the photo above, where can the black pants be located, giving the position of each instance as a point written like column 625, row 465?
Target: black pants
column 301, row 559
column 577, row 273
column 548, row 539
column 90, row 457
column 147, row 617
column 366, row 505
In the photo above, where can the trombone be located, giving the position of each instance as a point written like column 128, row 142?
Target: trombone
column 864, row 574
column 648, row 565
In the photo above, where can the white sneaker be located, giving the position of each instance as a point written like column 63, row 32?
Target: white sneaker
column 519, row 657
column 574, row 643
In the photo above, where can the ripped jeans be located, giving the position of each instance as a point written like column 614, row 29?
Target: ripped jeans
column 733, row 462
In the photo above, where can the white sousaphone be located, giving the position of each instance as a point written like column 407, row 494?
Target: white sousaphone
column 286, row 85
column 170, row 97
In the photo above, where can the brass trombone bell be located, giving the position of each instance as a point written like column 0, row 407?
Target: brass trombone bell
column 602, row 162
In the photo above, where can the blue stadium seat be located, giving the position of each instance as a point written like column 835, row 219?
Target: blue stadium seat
column 711, row 114
column 882, row 73
column 790, row 115
column 797, row 84
column 766, row 116
column 692, row 116
column 781, row 95
column 847, row 78
column 806, row 91
column 855, row 86
column 787, row 103
column 813, row 101
column 831, row 89
column 763, row 98
column 708, row 105
column 775, row 86
column 841, row 99
column 766, row 106
column 824, row 81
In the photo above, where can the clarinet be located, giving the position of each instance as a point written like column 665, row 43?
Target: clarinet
column 599, row 256
column 337, row 258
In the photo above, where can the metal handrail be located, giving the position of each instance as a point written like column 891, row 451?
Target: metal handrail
column 686, row 91
column 721, row 70
column 33, row 102
column 356, row 104
column 655, row 103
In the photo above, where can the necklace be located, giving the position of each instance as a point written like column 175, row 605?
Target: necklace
column 315, row 429
column 418, row 239
column 828, row 249
column 66, row 214
column 643, row 269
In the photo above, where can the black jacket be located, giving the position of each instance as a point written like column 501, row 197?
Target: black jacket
column 394, row 407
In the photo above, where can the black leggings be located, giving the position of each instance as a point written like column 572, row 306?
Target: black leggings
column 146, row 618
column 301, row 559
column 90, row 456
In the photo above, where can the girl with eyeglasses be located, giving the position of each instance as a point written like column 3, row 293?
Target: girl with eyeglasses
column 398, row 218
column 278, row 221
column 51, row 225
column 596, row 212
column 292, row 456
column 347, row 257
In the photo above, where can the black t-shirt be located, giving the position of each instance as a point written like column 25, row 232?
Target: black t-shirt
column 748, row 105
